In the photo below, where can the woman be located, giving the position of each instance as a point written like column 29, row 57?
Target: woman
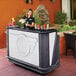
column 29, row 19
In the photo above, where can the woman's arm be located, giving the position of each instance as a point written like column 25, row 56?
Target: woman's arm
column 22, row 20
column 32, row 25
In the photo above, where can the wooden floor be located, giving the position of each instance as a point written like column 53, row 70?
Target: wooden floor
column 67, row 67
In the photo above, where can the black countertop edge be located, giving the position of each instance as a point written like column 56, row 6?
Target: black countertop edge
column 34, row 30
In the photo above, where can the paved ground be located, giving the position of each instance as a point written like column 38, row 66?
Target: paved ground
column 67, row 67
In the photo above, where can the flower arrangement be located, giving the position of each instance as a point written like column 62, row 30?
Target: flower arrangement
column 12, row 23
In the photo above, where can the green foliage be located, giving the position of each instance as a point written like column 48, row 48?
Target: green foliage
column 53, row 0
column 37, row 19
column 19, row 17
column 67, row 27
column 25, row 0
column 20, row 24
column 22, row 14
column 61, row 17
column 72, row 22
column 73, row 27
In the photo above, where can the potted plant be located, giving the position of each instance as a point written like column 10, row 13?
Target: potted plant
column 61, row 17
column 20, row 23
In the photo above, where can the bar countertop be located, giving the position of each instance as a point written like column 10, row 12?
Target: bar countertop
column 34, row 30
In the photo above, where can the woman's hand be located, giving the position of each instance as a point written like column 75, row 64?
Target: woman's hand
column 28, row 25
column 22, row 20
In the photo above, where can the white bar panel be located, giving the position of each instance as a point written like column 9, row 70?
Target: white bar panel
column 52, row 37
column 24, row 46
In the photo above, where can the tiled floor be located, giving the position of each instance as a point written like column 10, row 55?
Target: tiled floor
column 67, row 67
